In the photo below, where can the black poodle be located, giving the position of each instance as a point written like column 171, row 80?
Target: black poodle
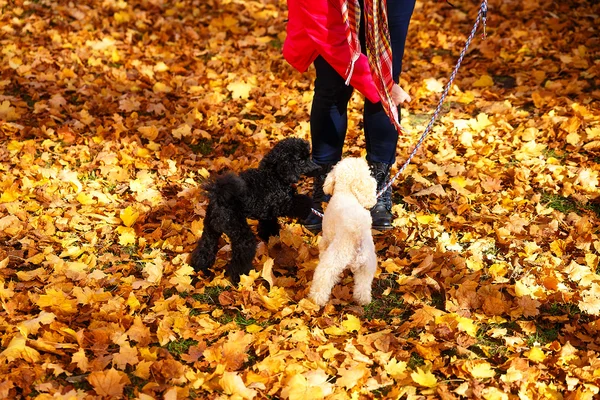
column 262, row 193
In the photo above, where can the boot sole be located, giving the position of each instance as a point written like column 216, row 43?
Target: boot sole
column 383, row 228
column 314, row 229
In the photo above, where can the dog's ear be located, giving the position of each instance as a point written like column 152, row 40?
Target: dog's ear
column 365, row 190
column 329, row 182
column 289, row 175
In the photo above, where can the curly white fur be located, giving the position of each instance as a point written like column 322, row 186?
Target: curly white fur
column 347, row 241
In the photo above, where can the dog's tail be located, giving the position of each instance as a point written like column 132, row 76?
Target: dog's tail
column 227, row 188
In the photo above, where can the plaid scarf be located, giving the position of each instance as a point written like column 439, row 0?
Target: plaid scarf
column 379, row 50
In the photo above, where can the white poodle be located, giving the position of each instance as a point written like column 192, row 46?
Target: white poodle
column 347, row 241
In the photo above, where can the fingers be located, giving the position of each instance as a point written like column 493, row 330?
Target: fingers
column 399, row 96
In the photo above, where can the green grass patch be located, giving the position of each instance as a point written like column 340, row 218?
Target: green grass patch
column 559, row 203
column 382, row 393
column 276, row 43
column 386, row 307
column 487, row 346
column 567, row 204
column 543, row 335
column 203, row 146
column 415, row 361
column 232, row 148
column 211, row 294
column 179, row 347
column 557, row 309
column 552, row 153
column 135, row 387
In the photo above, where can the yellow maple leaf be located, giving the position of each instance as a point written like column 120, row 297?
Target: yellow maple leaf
column 126, row 235
column 275, row 299
column 154, row 270
column 183, row 278
column 160, row 87
column 7, row 112
column 536, row 354
column 484, row 81
column 424, row 378
column 427, row 219
column 126, row 355
column 335, row 331
column 492, row 393
column 480, row 369
column 267, row 271
column 310, row 385
column 234, row 350
column 10, row 221
column 9, row 195
column 81, row 360
column 140, row 333
column 17, row 348
column 57, row 300
column 129, row 215
column 240, row 90
column 253, row 328
column 232, row 384
column 467, row 325
column 396, row 369
column 350, row 377
column 590, row 300
column 71, row 177
column 351, row 323
column 573, row 139
column 184, row 130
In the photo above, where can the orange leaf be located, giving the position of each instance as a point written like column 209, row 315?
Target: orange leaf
column 108, row 383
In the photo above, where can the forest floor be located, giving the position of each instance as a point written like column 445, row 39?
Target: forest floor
column 113, row 114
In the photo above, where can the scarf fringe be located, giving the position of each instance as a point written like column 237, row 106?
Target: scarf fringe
column 350, row 69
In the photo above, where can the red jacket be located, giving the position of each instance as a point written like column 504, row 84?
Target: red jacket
column 315, row 27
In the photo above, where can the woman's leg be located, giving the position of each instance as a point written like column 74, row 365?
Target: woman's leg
column 328, row 115
column 328, row 124
column 381, row 136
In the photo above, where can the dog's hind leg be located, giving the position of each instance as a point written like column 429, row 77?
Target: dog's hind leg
column 327, row 274
column 365, row 271
column 243, row 248
column 268, row 228
column 203, row 256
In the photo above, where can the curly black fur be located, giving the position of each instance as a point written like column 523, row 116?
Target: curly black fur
column 264, row 193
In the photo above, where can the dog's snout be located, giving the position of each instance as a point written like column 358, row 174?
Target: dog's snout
column 312, row 168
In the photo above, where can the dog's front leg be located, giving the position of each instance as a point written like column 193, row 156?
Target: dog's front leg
column 268, row 228
column 203, row 256
column 300, row 206
column 243, row 248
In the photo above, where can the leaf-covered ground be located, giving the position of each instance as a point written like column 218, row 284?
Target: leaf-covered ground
column 112, row 114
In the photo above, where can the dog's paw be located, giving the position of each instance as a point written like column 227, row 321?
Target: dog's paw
column 198, row 261
column 301, row 206
column 319, row 298
column 362, row 298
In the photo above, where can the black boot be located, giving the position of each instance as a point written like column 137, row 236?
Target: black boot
column 382, row 212
column 313, row 222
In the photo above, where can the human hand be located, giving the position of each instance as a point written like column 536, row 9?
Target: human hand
column 399, row 96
